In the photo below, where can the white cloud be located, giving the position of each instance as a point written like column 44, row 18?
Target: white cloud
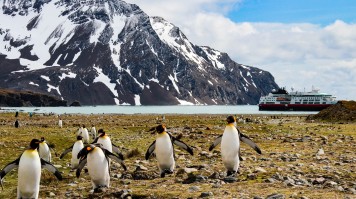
column 298, row 55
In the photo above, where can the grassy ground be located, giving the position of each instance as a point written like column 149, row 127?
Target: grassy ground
column 289, row 144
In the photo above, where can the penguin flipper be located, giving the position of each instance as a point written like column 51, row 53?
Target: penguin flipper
column 216, row 142
column 116, row 150
column 51, row 168
column 183, row 145
column 81, row 165
column 66, row 151
column 249, row 142
column 115, row 157
column 150, row 150
column 12, row 165
column 96, row 140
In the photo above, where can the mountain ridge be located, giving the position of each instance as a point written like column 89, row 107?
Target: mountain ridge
column 107, row 52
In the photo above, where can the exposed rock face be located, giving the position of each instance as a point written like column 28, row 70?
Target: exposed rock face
column 342, row 111
column 105, row 52
column 27, row 98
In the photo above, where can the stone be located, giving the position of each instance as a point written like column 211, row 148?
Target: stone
column 320, row 152
column 206, row 194
column 260, row 170
column 275, row 196
column 193, row 188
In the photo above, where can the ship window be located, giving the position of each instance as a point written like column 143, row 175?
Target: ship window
column 324, row 102
column 297, row 102
column 305, row 102
column 310, row 102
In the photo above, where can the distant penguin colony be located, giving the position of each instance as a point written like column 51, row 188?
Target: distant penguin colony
column 96, row 156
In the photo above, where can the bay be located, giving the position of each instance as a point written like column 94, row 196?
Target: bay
column 180, row 109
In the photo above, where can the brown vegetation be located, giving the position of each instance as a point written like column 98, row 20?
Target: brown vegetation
column 299, row 159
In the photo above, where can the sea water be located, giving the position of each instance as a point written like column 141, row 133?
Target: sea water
column 179, row 109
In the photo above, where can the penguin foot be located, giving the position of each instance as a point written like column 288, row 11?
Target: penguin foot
column 231, row 173
column 100, row 189
column 166, row 171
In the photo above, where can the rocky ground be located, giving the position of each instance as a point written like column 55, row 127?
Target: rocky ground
column 300, row 159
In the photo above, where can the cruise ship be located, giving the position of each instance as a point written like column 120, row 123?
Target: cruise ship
column 281, row 100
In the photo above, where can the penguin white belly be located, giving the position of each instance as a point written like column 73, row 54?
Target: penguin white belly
column 164, row 152
column 85, row 136
column 106, row 142
column 78, row 145
column 29, row 175
column 44, row 152
column 98, row 168
column 230, row 145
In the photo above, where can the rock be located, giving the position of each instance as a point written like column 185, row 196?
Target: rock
column 320, row 180
column 193, row 188
column 320, row 152
column 190, row 170
column 275, row 196
column 251, row 176
column 260, row 170
column 141, row 168
column 257, row 197
column 51, row 194
column 206, row 194
column 230, row 179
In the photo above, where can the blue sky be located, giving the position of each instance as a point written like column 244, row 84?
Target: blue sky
column 302, row 43
column 322, row 12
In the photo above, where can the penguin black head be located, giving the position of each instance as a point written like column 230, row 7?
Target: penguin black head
column 101, row 132
column 230, row 119
column 42, row 139
column 79, row 137
column 83, row 126
column 161, row 128
column 34, row 144
column 84, row 152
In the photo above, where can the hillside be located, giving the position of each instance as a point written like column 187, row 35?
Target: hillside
column 343, row 111
column 13, row 98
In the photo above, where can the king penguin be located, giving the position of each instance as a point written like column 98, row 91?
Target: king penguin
column 44, row 150
column 164, row 150
column 29, row 171
column 82, row 131
column 75, row 148
column 96, row 157
column 230, row 146
column 105, row 141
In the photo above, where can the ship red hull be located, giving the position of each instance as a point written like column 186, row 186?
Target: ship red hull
column 292, row 107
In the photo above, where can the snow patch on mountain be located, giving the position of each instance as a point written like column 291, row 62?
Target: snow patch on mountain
column 105, row 80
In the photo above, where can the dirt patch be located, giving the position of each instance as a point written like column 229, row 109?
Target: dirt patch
column 343, row 111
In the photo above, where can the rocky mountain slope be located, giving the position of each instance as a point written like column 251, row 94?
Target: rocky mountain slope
column 28, row 98
column 110, row 52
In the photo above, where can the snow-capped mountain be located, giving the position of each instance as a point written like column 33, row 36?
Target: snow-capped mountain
column 110, row 52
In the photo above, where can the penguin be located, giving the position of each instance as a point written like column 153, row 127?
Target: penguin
column 93, row 131
column 105, row 140
column 230, row 146
column 82, row 131
column 75, row 148
column 29, row 166
column 164, row 150
column 60, row 123
column 96, row 158
column 44, row 150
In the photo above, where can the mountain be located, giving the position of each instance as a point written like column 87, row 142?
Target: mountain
column 27, row 98
column 105, row 52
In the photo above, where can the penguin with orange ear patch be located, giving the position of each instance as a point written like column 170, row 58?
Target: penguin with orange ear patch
column 164, row 150
column 230, row 146
column 29, row 166
column 97, row 160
